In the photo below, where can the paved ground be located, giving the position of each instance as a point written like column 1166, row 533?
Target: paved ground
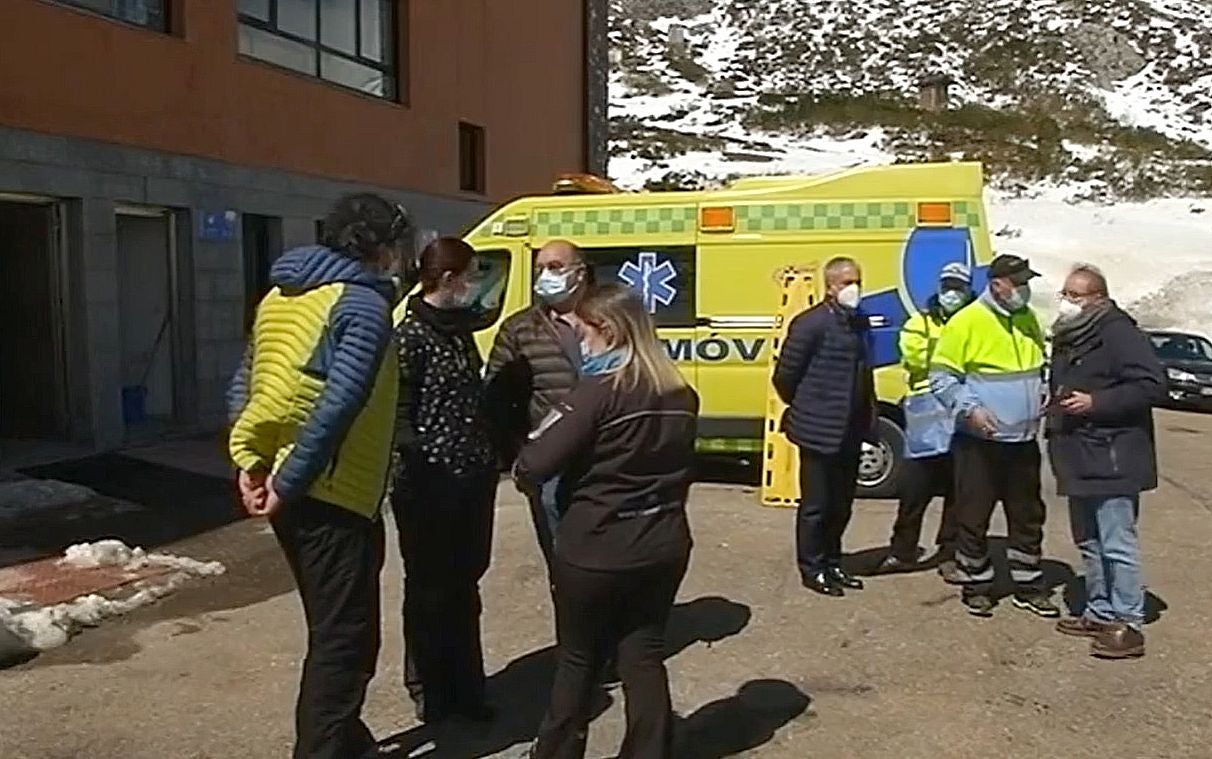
column 757, row 663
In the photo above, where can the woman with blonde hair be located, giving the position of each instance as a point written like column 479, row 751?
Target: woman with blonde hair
column 623, row 442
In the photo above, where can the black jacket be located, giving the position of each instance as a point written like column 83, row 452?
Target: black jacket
column 626, row 462
column 440, row 420
column 1111, row 451
column 529, row 371
column 824, row 376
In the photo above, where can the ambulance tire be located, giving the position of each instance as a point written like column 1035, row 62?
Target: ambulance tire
column 880, row 465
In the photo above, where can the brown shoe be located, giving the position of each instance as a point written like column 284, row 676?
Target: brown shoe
column 1118, row 642
column 1082, row 627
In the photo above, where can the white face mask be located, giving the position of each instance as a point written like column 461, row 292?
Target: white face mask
column 952, row 300
column 849, row 296
column 1067, row 310
column 555, row 287
column 1018, row 298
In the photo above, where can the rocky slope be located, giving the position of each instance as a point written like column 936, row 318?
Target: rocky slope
column 1110, row 97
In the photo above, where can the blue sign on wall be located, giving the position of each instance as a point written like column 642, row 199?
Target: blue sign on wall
column 217, row 226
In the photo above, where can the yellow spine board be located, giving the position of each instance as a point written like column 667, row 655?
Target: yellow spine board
column 780, row 458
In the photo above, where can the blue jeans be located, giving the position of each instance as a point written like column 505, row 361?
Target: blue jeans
column 545, row 511
column 1104, row 529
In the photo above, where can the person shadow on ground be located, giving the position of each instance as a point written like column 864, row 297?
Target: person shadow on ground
column 521, row 690
column 1075, row 601
column 741, row 722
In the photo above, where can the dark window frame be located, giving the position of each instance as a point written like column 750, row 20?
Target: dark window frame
column 389, row 67
column 166, row 15
column 473, row 168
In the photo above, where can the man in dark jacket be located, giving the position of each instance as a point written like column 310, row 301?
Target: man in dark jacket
column 1105, row 382
column 824, row 376
column 534, row 364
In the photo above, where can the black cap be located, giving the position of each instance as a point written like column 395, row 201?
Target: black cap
column 1017, row 270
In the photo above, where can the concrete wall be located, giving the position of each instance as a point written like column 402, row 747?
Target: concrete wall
column 93, row 178
column 515, row 67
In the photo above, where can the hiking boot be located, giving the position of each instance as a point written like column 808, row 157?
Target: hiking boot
column 1037, row 603
column 949, row 571
column 979, row 605
column 1082, row 627
column 1118, row 641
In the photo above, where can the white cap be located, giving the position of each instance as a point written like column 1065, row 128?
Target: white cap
column 956, row 270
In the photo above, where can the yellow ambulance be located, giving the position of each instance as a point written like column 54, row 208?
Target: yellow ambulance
column 709, row 267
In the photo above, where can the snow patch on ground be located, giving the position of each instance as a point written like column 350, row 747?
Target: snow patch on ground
column 114, row 553
column 44, row 628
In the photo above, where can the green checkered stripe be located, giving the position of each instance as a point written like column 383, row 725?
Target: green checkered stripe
column 802, row 217
column 727, row 445
column 965, row 214
column 610, row 222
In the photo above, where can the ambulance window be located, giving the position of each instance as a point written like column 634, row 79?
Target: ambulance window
column 662, row 275
column 491, row 279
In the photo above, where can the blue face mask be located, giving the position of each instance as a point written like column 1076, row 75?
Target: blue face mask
column 602, row 363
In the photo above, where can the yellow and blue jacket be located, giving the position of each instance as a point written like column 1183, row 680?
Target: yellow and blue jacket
column 315, row 400
column 987, row 357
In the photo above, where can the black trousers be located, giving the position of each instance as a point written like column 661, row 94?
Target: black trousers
column 921, row 480
column 987, row 472
column 445, row 528
column 335, row 556
column 827, row 486
column 599, row 613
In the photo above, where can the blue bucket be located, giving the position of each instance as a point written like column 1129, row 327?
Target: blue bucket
column 134, row 404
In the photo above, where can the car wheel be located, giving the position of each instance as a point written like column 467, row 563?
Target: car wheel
column 880, row 464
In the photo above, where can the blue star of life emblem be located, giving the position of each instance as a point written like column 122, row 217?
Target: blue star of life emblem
column 652, row 278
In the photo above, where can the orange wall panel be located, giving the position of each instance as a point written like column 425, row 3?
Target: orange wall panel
column 515, row 67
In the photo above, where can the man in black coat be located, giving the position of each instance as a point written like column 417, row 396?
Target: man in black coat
column 1105, row 382
column 824, row 376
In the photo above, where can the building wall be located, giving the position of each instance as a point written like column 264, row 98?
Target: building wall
column 93, row 180
column 68, row 72
column 99, row 115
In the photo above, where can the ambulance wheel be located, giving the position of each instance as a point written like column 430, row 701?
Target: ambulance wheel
column 880, row 464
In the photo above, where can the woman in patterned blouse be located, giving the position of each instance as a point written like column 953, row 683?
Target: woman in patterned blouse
column 444, row 495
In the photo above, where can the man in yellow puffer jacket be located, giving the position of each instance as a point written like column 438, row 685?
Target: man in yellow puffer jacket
column 929, row 427
column 314, row 413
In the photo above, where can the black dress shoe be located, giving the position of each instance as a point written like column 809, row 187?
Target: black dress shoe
column 481, row 712
column 822, row 583
column 846, row 580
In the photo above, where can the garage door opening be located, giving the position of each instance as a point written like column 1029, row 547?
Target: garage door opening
column 145, row 318
column 32, row 387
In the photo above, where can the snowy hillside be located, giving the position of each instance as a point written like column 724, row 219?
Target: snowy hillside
column 1117, row 93
column 1093, row 118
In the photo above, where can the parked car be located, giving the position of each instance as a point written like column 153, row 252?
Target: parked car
column 1188, row 361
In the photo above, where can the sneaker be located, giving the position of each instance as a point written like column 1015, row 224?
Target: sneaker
column 949, row 571
column 892, row 564
column 979, row 606
column 1037, row 603
column 1082, row 627
column 1118, row 641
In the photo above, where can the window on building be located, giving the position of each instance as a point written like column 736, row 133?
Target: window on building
column 471, row 158
column 152, row 14
column 346, row 42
